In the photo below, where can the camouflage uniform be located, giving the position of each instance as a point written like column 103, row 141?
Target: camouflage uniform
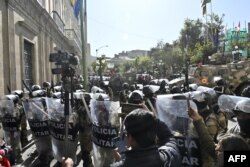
column 85, row 136
column 24, row 131
column 216, row 123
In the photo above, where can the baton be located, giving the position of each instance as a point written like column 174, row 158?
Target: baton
column 87, row 108
column 8, row 89
column 40, row 109
column 152, row 108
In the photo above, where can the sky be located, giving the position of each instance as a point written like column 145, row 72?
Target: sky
column 114, row 26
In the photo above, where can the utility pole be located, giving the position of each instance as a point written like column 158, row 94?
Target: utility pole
column 83, row 17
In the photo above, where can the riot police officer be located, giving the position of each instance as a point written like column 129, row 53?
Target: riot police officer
column 124, row 93
column 246, row 92
column 24, row 131
column 85, row 129
column 162, row 89
column 242, row 112
column 215, row 120
column 11, row 121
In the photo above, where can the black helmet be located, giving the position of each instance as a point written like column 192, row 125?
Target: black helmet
column 219, row 81
column 135, row 97
column 163, row 83
column 19, row 93
column 35, row 87
column 46, row 85
column 125, row 85
column 246, row 92
column 147, row 90
column 175, row 89
column 79, row 87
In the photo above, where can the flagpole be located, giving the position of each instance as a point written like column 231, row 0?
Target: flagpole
column 206, row 30
column 212, row 25
column 83, row 15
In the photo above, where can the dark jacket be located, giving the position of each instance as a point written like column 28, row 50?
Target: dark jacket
column 166, row 155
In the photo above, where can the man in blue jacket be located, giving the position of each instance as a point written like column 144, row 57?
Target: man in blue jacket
column 150, row 140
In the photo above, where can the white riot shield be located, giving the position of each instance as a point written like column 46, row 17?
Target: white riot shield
column 37, row 118
column 106, row 124
column 174, row 113
column 57, row 130
column 97, row 96
column 208, row 90
column 10, row 118
column 227, row 103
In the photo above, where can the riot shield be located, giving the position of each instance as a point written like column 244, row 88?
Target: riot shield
column 10, row 116
column 208, row 90
column 97, row 96
column 10, row 119
column 37, row 118
column 106, row 124
column 227, row 103
column 172, row 109
column 57, row 130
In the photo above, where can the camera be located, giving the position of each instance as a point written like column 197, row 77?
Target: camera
column 63, row 59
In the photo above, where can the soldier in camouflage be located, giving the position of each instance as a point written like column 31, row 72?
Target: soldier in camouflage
column 24, row 131
column 215, row 120
column 85, row 131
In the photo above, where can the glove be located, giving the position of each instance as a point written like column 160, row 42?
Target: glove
column 2, row 152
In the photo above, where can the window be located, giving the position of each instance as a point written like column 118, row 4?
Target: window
column 28, row 50
column 204, row 73
column 222, row 71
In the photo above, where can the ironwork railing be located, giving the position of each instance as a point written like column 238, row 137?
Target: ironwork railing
column 58, row 20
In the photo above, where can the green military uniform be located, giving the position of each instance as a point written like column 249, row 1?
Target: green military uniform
column 216, row 123
column 24, row 131
column 85, row 136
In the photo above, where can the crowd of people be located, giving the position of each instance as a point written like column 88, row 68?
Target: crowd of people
column 150, row 140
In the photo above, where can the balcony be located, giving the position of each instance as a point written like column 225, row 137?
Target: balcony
column 59, row 22
column 73, row 38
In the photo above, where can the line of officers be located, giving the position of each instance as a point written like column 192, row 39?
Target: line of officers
column 21, row 141
column 215, row 120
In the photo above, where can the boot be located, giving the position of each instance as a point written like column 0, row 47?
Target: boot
column 87, row 161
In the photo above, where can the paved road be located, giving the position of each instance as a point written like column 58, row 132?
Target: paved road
column 30, row 156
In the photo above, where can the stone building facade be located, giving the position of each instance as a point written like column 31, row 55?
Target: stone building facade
column 29, row 31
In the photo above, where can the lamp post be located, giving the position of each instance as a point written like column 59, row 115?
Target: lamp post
column 100, row 48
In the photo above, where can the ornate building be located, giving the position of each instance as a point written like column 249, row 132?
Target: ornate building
column 29, row 31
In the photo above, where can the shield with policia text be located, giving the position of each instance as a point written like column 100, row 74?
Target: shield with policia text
column 11, row 122
column 37, row 118
column 172, row 109
column 106, row 124
column 57, row 130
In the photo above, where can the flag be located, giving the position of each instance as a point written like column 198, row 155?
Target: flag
column 238, row 27
column 204, row 6
column 73, row 2
column 77, row 8
column 204, row 10
column 204, row 2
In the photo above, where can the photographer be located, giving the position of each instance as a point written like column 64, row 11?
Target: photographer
column 142, row 129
